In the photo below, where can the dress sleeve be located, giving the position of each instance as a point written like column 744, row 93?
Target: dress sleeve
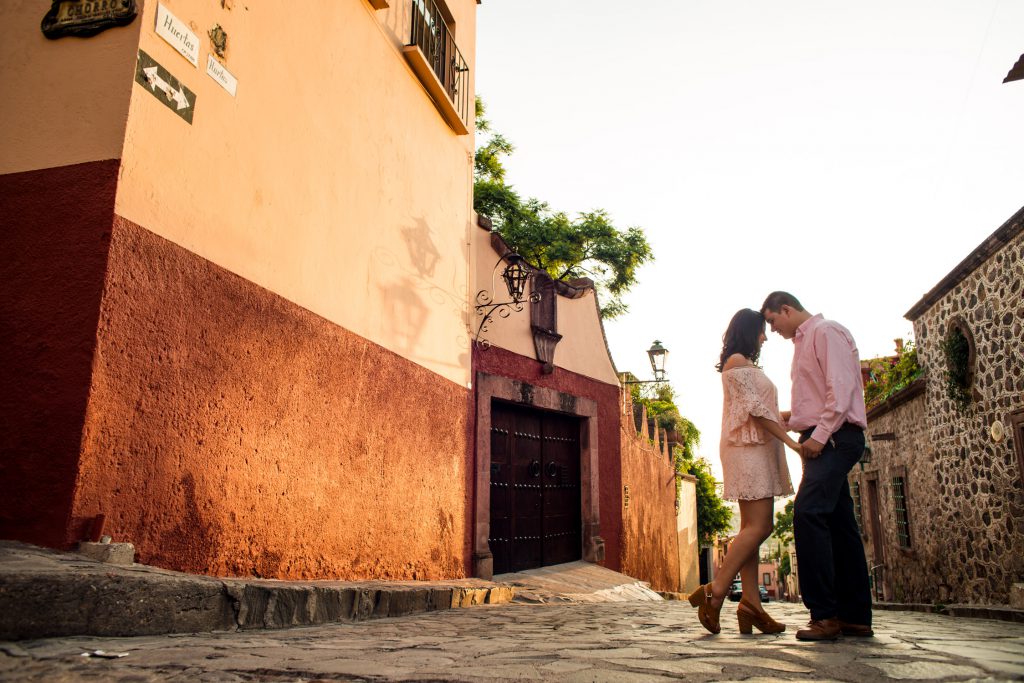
column 744, row 402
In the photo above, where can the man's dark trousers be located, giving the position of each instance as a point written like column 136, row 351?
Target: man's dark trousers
column 830, row 556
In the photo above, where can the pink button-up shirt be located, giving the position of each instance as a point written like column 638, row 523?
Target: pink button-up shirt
column 827, row 386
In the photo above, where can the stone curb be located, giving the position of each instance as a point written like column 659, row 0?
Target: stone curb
column 998, row 612
column 88, row 598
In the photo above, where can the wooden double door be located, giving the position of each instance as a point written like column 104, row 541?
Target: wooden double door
column 535, row 488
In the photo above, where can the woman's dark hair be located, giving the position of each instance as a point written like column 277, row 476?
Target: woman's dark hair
column 742, row 336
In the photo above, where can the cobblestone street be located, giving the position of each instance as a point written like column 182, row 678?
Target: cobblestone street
column 632, row 641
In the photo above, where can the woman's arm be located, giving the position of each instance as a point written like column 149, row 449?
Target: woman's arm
column 776, row 430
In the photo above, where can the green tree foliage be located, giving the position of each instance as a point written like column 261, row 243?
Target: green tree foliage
column 588, row 245
column 784, row 525
column 713, row 517
column 888, row 376
column 785, row 569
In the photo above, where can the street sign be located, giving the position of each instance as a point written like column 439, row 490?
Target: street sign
column 177, row 34
column 82, row 18
column 219, row 73
column 165, row 87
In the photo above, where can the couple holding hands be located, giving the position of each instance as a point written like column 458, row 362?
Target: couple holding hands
column 827, row 410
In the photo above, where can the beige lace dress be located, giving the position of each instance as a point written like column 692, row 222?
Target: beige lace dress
column 753, row 461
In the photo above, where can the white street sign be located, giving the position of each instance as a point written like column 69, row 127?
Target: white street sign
column 177, row 34
column 219, row 73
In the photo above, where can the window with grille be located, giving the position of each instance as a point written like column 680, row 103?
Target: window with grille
column 858, row 510
column 899, row 499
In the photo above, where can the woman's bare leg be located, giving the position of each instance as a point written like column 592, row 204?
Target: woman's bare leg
column 755, row 527
column 749, row 577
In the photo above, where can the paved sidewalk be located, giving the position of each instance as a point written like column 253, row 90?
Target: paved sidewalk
column 45, row 593
column 628, row 642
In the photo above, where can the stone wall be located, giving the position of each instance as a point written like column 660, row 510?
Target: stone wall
column 965, row 487
column 650, row 544
column 980, row 491
column 899, row 441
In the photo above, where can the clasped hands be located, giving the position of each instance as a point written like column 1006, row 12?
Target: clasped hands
column 809, row 449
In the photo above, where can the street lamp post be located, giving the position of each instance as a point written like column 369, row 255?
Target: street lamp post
column 657, row 355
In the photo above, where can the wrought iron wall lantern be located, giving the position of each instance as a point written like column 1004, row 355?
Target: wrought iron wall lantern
column 515, row 275
column 657, row 355
column 865, row 458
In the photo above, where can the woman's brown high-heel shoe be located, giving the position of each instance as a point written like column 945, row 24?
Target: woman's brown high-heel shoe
column 748, row 616
column 706, row 612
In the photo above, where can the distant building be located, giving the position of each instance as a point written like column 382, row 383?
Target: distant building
column 940, row 494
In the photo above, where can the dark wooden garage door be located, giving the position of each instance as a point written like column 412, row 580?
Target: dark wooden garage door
column 535, row 488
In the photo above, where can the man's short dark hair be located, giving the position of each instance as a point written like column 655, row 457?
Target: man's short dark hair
column 776, row 300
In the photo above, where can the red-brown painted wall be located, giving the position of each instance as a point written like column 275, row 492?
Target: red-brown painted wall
column 650, row 544
column 54, row 241
column 231, row 432
column 498, row 361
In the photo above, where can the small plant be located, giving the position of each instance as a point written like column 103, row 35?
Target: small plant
column 957, row 350
column 891, row 375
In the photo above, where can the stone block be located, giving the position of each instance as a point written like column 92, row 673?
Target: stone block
column 474, row 596
column 500, row 595
column 331, row 605
column 364, row 601
column 383, row 604
column 1017, row 596
column 408, row 602
column 440, row 599
column 35, row 606
column 111, row 553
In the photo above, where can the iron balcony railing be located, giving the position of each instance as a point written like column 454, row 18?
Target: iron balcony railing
column 432, row 35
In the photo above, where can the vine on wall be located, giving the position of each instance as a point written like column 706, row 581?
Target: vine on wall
column 956, row 348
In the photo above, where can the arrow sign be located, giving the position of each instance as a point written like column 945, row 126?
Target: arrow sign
column 165, row 87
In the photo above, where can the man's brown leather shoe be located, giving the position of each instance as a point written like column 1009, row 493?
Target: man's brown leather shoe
column 859, row 630
column 820, row 629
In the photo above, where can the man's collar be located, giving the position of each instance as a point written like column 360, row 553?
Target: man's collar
column 807, row 325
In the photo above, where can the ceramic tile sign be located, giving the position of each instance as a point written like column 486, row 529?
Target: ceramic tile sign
column 165, row 87
column 177, row 34
column 217, row 71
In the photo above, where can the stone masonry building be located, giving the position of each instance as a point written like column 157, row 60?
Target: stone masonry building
column 941, row 495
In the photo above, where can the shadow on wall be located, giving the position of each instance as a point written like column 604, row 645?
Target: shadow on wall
column 411, row 293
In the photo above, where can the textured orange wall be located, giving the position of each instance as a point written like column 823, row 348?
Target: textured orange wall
column 650, row 545
column 53, row 255
column 231, row 432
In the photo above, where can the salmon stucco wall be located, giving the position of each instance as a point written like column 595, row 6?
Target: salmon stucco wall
column 650, row 546
column 329, row 178
column 231, row 432
column 54, row 242
column 64, row 101
column 686, row 534
column 498, row 361
column 581, row 350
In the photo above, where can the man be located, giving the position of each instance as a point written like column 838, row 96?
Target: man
column 827, row 409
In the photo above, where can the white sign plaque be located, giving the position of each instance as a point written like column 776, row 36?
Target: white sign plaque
column 219, row 73
column 177, row 34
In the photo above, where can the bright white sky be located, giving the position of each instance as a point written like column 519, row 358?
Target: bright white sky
column 851, row 153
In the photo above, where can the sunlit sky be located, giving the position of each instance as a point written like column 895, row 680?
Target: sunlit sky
column 851, row 153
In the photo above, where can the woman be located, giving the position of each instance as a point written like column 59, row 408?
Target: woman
column 754, row 465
